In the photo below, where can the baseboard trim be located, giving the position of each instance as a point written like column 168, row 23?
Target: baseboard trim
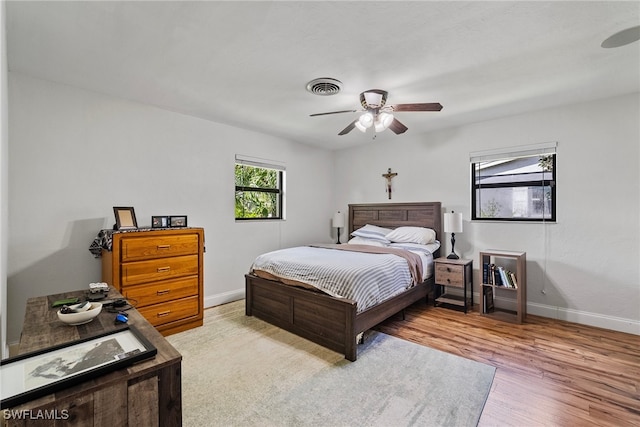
column 613, row 323
column 218, row 299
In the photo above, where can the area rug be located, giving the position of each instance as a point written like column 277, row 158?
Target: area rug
column 241, row 371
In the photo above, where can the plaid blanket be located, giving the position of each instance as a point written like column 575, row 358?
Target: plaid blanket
column 366, row 275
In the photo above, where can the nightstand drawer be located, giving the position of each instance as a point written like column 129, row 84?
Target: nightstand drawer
column 159, row 269
column 139, row 248
column 450, row 275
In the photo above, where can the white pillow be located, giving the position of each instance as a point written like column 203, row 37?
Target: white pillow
column 372, row 232
column 430, row 247
column 412, row 235
column 363, row 241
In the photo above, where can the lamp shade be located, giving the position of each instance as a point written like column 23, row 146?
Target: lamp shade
column 453, row 222
column 338, row 220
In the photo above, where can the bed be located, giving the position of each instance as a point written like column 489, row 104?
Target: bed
column 334, row 322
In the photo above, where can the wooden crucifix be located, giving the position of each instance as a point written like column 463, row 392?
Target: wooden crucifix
column 389, row 175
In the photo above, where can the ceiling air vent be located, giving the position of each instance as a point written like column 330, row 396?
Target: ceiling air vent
column 324, row 86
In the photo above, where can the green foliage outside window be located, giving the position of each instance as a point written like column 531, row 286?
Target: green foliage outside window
column 490, row 209
column 258, row 192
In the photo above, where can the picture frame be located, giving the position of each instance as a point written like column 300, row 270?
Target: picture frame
column 36, row 374
column 177, row 221
column 125, row 218
column 159, row 221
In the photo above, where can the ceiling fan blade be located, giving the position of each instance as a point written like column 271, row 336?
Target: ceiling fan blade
column 332, row 112
column 348, row 128
column 430, row 106
column 396, row 127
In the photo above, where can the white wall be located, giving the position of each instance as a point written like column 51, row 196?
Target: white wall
column 75, row 154
column 585, row 267
column 4, row 148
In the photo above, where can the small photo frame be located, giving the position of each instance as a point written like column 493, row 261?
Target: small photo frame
column 177, row 221
column 32, row 375
column 125, row 218
column 159, row 221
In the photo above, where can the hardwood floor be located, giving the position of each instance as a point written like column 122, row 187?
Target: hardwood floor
column 549, row 372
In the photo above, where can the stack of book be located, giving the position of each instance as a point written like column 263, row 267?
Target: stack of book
column 498, row 276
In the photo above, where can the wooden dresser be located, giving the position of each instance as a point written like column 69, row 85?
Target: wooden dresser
column 148, row 393
column 161, row 273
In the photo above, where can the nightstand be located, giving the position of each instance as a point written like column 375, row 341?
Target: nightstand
column 454, row 273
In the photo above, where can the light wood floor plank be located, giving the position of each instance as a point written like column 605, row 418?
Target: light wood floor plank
column 549, row 372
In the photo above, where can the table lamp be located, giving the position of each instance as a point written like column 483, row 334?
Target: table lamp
column 338, row 222
column 453, row 225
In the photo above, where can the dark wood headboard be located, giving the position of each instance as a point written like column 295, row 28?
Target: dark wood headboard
column 393, row 215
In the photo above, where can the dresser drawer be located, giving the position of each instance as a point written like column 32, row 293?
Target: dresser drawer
column 139, row 248
column 159, row 314
column 450, row 275
column 167, row 290
column 159, row 269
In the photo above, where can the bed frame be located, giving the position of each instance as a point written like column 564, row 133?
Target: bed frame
column 334, row 322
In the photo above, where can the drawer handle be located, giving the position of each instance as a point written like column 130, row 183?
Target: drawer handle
column 163, row 292
column 448, row 280
column 448, row 270
column 163, row 269
column 163, row 313
column 163, row 247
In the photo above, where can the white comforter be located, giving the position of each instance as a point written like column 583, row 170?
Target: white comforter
column 365, row 278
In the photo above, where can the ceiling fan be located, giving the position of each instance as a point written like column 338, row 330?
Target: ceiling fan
column 379, row 115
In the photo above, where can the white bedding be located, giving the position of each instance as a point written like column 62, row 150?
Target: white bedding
column 365, row 278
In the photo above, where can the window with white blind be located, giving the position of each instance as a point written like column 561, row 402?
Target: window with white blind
column 259, row 189
column 515, row 184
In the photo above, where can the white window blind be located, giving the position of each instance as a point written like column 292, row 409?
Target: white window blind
column 541, row 149
column 261, row 163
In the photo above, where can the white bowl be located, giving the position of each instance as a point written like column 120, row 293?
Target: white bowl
column 82, row 317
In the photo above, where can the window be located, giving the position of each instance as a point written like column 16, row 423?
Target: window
column 514, row 185
column 259, row 189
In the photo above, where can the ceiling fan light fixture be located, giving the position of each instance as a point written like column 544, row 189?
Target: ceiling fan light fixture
column 374, row 98
column 366, row 120
column 383, row 121
column 360, row 127
column 377, row 114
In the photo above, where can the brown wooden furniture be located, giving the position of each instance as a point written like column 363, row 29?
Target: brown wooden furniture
column 334, row 322
column 455, row 273
column 514, row 260
column 161, row 273
column 148, row 393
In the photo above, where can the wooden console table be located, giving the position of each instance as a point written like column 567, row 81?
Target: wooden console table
column 148, row 393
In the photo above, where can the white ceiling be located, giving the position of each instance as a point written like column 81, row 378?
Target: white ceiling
column 247, row 63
